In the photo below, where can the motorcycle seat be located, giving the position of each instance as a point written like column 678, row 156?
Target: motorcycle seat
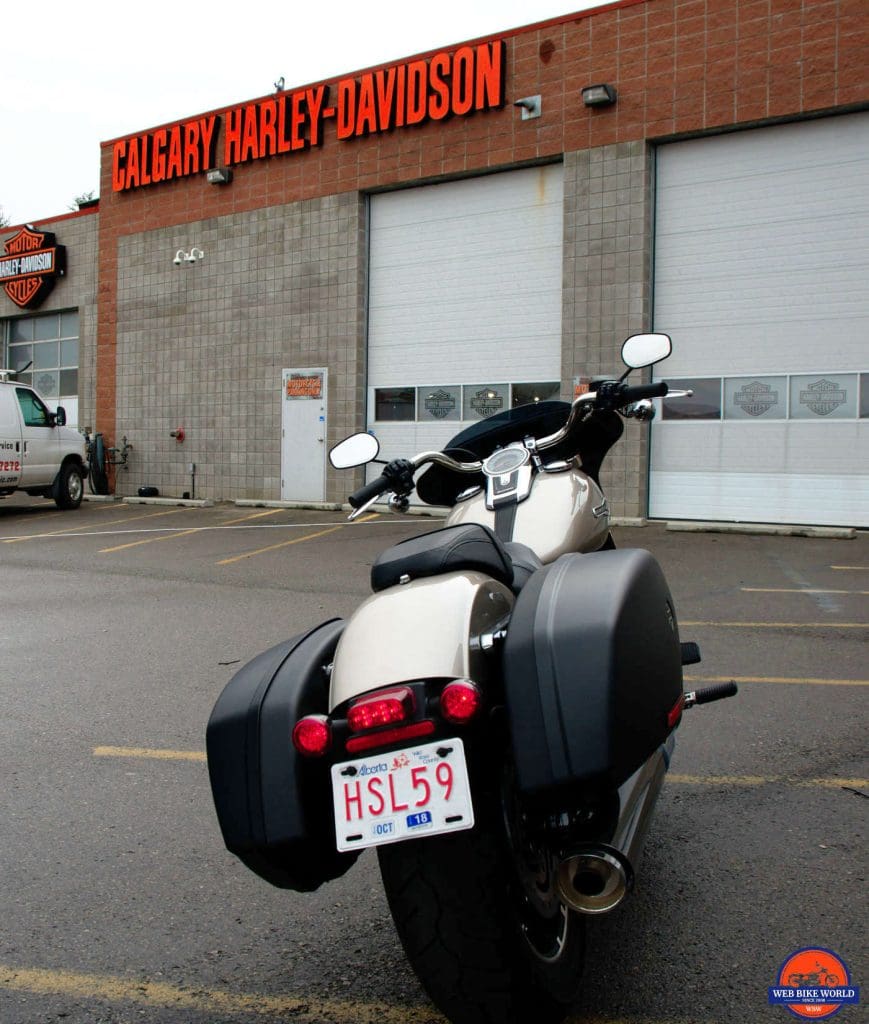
column 469, row 546
column 525, row 563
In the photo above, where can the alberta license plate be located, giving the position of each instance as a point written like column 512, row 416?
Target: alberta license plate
column 383, row 798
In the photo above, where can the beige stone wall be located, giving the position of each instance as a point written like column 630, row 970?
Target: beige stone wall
column 608, row 289
column 202, row 345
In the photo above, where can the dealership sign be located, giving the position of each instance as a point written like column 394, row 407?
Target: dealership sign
column 31, row 263
column 448, row 84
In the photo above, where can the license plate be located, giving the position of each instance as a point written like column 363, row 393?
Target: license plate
column 384, row 798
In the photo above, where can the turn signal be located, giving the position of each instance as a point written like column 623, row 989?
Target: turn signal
column 312, row 735
column 461, row 700
column 386, row 707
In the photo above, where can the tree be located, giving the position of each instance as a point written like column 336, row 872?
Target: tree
column 83, row 200
column 4, row 220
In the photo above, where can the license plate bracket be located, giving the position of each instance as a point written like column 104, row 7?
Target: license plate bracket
column 385, row 798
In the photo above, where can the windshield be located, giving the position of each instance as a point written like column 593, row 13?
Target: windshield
column 440, row 486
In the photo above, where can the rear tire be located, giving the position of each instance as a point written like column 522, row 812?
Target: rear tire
column 482, row 950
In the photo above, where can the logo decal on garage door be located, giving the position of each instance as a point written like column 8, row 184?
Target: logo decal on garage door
column 756, row 398
column 823, row 397
column 439, row 404
column 32, row 264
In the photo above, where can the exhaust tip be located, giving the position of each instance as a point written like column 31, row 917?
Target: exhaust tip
column 594, row 880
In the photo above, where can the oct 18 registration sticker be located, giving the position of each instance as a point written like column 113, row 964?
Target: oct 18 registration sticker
column 385, row 798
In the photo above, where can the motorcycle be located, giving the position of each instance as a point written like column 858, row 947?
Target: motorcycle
column 496, row 719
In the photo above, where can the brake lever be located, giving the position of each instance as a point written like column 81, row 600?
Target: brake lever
column 357, row 512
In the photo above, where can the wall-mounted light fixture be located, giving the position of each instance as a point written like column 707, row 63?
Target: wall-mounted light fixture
column 219, row 175
column 531, row 106
column 188, row 257
column 599, row 95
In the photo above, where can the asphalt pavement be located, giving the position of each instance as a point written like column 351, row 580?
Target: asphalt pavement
column 120, row 624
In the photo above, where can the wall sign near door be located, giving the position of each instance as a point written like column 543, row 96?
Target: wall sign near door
column 299, row 386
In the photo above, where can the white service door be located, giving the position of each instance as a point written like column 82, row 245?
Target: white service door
column 303, row 434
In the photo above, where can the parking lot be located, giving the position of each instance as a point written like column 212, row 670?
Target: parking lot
column 121, row 623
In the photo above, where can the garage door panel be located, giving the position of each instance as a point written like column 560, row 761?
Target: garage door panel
column 762, row 267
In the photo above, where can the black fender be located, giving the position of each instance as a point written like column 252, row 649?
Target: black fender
column 274, row 806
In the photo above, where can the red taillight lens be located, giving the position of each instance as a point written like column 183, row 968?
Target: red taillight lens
column 399, row 734
column 312, row 735
column 461, row 701
column 387, row 707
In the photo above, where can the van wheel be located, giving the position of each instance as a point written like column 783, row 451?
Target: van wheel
column 68, row 487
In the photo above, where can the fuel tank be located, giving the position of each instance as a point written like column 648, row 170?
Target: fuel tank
column 424, row 629
column 565, row 512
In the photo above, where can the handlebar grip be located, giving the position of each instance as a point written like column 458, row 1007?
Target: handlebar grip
column 368, row 491
column 717, row 692
column 633, row 394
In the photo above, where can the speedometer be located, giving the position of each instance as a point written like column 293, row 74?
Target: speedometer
column 505, row 461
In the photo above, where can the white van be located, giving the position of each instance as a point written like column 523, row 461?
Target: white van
column 38, row 453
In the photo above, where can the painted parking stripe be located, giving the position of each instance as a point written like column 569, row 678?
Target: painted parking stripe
column 150, row 753
column 777, row 625
column 183, row 533
column 766, row 780
column 295, row 540
column 160, row 995
column 77, row 531
column 696, row 780
column 798, row 590
column 796, row 680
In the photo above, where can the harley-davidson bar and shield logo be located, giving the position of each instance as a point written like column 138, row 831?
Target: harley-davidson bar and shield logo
column 440, row 404
column 32, row 263
column 756, row 398
column 823, row 397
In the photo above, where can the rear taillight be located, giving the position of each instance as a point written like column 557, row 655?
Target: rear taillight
column 461, row 701
column 312, row 735
column 386, row 707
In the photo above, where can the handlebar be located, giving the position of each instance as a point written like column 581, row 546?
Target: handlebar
column 639, row 391
column 368, row 491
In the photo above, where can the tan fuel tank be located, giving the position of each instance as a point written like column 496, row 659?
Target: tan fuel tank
column 424, row 629
column 564, row 512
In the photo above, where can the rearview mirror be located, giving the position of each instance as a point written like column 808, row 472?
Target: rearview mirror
column 356, row 450
column 60, row 416
column 645, row 349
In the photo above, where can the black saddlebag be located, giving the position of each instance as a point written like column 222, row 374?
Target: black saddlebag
column 274, row 806
column 592, row 668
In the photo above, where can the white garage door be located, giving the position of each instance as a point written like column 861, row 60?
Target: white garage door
column 762, row 279
column 464, row 304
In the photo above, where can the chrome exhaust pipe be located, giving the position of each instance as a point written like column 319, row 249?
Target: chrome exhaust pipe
column 594, row 878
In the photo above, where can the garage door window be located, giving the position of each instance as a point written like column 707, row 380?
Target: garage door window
column 47, row 346
column 824, row 396
column 393, row 405
column 754, row 398
column 704, row 404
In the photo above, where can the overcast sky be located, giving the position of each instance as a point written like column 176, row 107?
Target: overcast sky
column 74, row 74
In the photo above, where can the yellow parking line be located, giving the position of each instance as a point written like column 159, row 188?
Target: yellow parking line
column 777, row 625
column 694, row 780
column 797, row 590
column 295, row 540
column 766, row 780
column 851, row 568
column 151, row 753
column 283, row 544
column 78, row 529
column 213, row 1002
column 182, row 533
column 807, row 680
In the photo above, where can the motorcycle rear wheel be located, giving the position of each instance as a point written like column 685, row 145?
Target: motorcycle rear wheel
column 484, row 953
